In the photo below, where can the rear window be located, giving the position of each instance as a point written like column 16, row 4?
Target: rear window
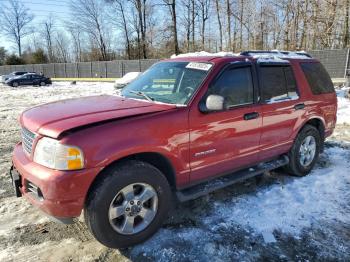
column 318, row 78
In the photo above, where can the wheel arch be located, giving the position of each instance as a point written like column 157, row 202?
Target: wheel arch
column 318, row 123
column 156, row 159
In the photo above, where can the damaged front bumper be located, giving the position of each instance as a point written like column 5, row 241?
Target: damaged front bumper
column 59, row 194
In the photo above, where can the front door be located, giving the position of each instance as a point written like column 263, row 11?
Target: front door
column 26, row 80
column 223, row 141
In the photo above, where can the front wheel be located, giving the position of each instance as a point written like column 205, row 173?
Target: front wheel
column 15, row 84
column 42, row 83
column 305, row 151
column 127, row 204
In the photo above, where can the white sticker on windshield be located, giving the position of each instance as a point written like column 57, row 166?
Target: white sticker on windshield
column 199, row 66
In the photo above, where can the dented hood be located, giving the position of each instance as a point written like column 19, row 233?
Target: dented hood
column 54, row 118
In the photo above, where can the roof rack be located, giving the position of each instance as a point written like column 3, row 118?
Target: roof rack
column 277, row 53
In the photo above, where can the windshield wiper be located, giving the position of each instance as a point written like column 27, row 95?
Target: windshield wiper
column 140, row 93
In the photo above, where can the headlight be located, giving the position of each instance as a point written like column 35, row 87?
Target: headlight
column 50, row 153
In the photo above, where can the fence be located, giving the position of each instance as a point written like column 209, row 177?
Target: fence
column 105, row 69
column 337, row 63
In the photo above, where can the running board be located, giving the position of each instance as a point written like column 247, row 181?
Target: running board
column 224, row 181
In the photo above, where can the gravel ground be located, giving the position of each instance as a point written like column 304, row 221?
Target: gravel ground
column 275, row 217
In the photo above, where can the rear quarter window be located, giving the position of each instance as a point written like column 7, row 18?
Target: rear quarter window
column 318, row 78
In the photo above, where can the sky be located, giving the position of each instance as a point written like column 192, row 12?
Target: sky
column 41, row 9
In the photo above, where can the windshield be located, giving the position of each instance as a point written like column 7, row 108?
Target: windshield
column 168, row 82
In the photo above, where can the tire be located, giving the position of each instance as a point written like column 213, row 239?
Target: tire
column 301, row 158
column 105, row 193
column 15, row 84
column 42, row 83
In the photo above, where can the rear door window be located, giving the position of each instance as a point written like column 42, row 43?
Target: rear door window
column 318, row 78
column 277, row 83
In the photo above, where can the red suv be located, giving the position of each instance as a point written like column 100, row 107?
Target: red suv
column 185, row 127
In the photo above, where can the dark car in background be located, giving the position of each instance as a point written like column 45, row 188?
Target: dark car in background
column 4, row 78
column 29, row 79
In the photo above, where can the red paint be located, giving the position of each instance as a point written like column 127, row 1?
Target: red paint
column 52, row 119
column 178, row 133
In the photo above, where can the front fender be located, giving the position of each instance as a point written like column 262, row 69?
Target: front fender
column 110, row 142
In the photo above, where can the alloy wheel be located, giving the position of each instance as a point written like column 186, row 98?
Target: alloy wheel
column 133, row 208
column 307, row 151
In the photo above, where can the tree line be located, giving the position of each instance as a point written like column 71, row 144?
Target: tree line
column 97, row 30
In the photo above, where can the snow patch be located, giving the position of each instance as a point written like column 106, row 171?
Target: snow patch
column 283, row 54
column 264, row 58
column 343, row 115
column 204, row 53
column 16, row 212
column 127, row 78
column 65, row 250
column 295, row 205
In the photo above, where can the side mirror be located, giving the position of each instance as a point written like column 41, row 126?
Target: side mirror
column 212, row 103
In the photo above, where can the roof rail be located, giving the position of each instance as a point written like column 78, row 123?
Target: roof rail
column 282, row 54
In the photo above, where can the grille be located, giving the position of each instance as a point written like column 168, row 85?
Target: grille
column 27, row 140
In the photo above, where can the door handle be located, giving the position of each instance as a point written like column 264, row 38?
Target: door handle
column 299, row 106
column 250, row 116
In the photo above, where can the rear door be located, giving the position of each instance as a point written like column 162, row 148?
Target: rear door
column 282, row 108
column 36, row 79
column 227, row 140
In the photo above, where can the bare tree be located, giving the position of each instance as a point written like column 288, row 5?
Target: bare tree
column 89, row 16
column 241, row 13
column 304, row 26
column 329, row 23
column 140, row 6
column 14, row 22
column 217, row 5
column 194, row 15
column 119, row 17
column 62, row 47
column 146, row 32
column 229, row 14
column 172, row 8
column 47, row 34
column 186, row 21
column 204, row 6
column 76, row 37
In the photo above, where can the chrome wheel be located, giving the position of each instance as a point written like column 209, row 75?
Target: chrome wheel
column 42, row 83
column 307, row 151
column 133, row 208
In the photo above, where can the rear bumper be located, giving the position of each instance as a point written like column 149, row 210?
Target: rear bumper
column 60, row 194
